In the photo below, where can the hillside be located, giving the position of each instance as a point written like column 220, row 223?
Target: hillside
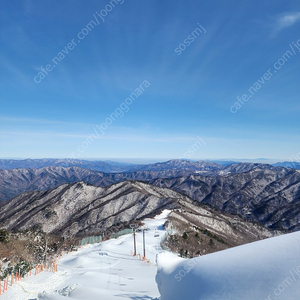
column 79, row 209
column 271, row 197
column 100, row 271
column 197, row 230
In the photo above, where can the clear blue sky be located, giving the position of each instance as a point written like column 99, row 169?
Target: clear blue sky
column 193, row 86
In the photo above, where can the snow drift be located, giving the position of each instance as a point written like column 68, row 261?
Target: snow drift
column 264, row 270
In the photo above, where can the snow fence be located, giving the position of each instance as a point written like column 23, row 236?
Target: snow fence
column 90, row 240
column 98, row 239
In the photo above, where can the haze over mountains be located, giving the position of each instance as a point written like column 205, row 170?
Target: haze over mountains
column 113, row 166
column 288, row 164
column 103, row 166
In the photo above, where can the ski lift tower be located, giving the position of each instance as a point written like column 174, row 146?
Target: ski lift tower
column 134, row 227
column 144, row 247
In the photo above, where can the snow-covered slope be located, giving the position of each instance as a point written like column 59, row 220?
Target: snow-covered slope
column 104, row 271
column 264, row 270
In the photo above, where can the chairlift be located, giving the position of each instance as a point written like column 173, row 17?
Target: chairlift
column 156, row 233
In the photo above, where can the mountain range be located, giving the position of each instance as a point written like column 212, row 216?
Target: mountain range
column 178, row 164
column 270, row 196
column 263, row 193
column 80, row 209
column 16, row 181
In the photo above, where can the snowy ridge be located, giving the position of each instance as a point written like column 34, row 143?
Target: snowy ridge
column 80, row 209
column 264, row 270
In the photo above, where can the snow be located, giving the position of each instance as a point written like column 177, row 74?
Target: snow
column 224, row 173
column 264, row 270
column 100, row 271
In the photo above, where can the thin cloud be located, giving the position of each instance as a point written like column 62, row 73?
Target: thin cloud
column 41, row 121
column 286, row 20
column 179, row 139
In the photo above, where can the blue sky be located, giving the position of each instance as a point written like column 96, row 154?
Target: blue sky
column 191, row 93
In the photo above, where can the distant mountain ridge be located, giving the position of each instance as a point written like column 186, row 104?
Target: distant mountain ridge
column 16, row 181
column 66, row 163
column 108, row 166
column 113, row 167
column 246, row 167
column 179, row 164
column 288, row 164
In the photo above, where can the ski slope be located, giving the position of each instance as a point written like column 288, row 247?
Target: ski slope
column 100, row 271
column 264, row 270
